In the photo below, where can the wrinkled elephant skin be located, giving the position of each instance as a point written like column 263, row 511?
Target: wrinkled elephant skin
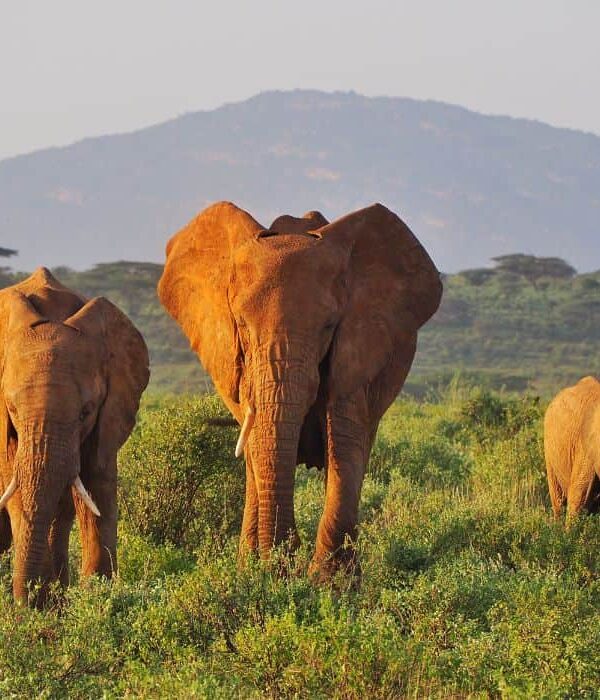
column 308, row 330
column 72, row 374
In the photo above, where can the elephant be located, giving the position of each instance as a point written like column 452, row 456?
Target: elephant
column 572, row 448
column 71, row 377
column 308, row 330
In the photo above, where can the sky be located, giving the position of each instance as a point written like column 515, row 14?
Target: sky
column 75, row 68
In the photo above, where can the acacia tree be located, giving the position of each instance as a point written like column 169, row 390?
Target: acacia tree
column 7, row 252
column 534, row 268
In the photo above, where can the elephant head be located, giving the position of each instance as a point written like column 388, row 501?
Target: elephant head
column 305, row 313
column 71, row 376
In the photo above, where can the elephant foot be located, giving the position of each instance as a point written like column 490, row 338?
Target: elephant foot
column 281, row 558
column 247, row 552
column 339, row 569
column 40, row 595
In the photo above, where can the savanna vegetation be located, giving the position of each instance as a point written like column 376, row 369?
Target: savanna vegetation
column 529, row 323
column 526, row 324
column 469, row 588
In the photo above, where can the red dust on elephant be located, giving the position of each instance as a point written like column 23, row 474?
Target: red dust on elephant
column 72, row 374
column 308, row 330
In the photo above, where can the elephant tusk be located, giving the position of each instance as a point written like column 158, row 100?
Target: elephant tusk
column 11, row 488
column 244, row 432
column 85, row 496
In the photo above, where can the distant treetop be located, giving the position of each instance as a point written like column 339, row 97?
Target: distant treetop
column 7, row 252
column 533, row 268
column 529, row 267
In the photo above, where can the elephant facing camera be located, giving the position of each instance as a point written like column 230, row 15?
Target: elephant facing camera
column 72, row 375
column 308, row 330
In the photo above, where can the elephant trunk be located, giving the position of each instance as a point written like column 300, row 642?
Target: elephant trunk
column 32, row 562
column 283, row 393
column 274, row 449
column 43, row 471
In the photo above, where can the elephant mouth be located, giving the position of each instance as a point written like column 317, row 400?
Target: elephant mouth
column 77, row 484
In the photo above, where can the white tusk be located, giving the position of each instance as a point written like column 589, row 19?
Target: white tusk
column 87, row 499
column 244, row 432
column 11, row 488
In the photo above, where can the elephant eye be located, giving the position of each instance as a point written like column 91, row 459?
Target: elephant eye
column 86, row 411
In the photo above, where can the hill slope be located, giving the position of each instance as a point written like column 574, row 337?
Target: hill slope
column 501, row 328
column 471, row 186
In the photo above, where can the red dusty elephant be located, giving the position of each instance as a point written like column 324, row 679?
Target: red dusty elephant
column 72, row 373
column 572, row 448
column 308, row 330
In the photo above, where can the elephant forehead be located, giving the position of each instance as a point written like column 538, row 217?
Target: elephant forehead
column 280, row 256
column 49, row 345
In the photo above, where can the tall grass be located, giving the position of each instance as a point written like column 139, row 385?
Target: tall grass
column 469, row 588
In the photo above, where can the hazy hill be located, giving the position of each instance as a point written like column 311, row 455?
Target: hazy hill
column 471, row 186
column 527, row 323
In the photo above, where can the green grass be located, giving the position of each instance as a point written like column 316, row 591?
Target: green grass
column 469, row 588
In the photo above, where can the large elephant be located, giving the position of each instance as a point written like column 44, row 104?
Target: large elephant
column 572, row 448
column 72, row 373
column 308, row 330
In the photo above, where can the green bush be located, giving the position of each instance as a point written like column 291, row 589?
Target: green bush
column 178, row 477
column 488, row 415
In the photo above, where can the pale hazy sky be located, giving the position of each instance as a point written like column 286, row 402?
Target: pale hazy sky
column 74, row 68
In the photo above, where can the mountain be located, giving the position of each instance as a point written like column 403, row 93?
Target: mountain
column 471, row 186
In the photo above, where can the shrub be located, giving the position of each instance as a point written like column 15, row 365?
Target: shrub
column 178, row 475
column 489, row 416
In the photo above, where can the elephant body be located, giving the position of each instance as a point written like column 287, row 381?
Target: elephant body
column 308, row 330
column 72, row 374
column 572, row 448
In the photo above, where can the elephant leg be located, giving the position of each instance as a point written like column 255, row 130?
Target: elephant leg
column 249, row 534
column 5, row 532
column 58, row 539
column 557, row 496
column 578, row 496
column 347, row 448
column 99, row 534
column 593, row 502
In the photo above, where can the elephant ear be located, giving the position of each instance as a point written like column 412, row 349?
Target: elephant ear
column 311, row 221
column 6, row 295
column 194, row 288
column 127, row 373
column 16, row 312
column 393, row 289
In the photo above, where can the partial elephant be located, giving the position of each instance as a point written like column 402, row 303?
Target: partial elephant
column 308, row 330
column 572, row 448
column 72, row 373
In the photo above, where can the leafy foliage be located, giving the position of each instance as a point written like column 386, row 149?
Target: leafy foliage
column 179, row 476
column 533, row 268
column 469, row 589
column 502, row 329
